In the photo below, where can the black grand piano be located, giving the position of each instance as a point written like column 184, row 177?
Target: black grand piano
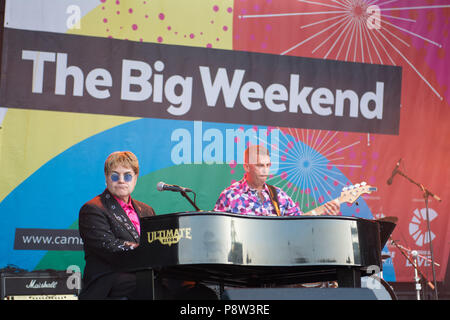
column 251, row 251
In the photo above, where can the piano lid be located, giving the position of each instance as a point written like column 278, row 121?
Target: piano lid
column 218, row 237
column 256, row 249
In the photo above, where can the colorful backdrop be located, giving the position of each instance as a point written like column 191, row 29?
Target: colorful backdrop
column 299, row 59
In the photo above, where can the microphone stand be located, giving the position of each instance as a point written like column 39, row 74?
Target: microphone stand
column 426, row 194
column 183, row 193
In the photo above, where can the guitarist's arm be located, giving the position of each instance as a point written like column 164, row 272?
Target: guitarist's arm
column 331, row 208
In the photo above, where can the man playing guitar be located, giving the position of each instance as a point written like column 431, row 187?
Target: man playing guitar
column 253, row 196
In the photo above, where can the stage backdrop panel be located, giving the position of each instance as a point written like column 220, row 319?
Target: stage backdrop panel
column 338, row 91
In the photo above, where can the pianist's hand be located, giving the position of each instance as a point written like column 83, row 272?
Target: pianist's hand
column 332, row 208
column 132, row 245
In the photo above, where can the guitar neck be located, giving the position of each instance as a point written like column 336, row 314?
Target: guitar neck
column 348, row 194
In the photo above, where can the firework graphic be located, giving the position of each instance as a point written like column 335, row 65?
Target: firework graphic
column 368, row 31
column 309, row 167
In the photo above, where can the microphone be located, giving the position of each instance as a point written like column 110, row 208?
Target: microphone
column 394, row 172
column 161, row 186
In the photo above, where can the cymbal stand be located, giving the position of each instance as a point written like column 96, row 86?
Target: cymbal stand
column 426, row 195
column 417, row 273
column 416, row 253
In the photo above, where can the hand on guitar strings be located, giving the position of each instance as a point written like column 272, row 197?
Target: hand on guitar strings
column 332, row 208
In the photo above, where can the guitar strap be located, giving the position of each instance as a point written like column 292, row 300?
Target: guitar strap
column 274, row 198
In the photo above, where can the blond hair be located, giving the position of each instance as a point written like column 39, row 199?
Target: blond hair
column 121, row 158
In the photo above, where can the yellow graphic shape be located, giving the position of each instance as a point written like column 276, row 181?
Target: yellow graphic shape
column 197, row 23
column 30, row 138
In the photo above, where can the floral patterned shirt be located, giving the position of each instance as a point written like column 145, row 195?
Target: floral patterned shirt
column 240, row 198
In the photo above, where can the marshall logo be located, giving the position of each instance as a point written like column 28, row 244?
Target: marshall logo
column 169, row 236
column 41, row 285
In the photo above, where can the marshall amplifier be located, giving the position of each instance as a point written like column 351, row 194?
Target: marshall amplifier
column 36, row 285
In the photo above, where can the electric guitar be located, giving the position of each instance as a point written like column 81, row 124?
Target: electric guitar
column 348, row 195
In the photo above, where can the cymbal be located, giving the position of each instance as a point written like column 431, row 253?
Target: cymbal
column 389, row 219
column 385, row 256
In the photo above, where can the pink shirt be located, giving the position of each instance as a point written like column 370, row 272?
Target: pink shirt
column 131, row 213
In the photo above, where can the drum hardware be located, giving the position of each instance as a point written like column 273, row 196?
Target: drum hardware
column 414, row 254
column 381, row 288
column 418, row 275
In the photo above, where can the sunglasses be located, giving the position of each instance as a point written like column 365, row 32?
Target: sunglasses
column 127, row 177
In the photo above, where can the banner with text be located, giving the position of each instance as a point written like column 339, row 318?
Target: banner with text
column 48, row 72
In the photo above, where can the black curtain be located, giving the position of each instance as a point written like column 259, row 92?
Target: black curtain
column 2, row 22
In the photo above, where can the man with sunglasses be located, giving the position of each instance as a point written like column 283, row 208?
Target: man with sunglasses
column 109, row 225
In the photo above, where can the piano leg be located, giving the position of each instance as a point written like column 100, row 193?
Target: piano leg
column 221, row 289
column 349, row 278
column 145, row 286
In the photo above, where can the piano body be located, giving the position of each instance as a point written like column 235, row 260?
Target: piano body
column 251, row 251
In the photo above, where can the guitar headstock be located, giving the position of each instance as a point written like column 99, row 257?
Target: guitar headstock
column 352, row 193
